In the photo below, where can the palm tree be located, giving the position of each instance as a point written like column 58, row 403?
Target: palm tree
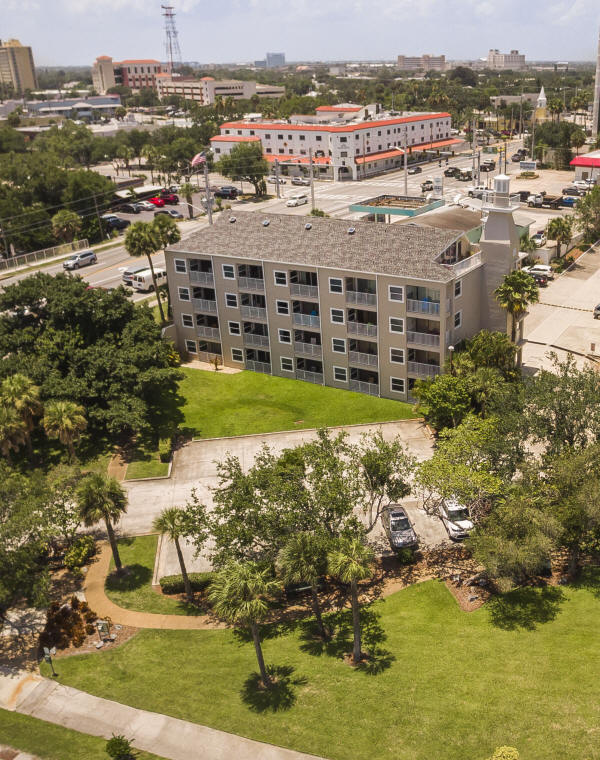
column 141, row 239
column 13, row 431
column 560, row 229
column 187, row 190
column 102, row 498
column 20, row 392
column 66, row 421
column 350, row 561
column 240, row 593
column 66, row 225
column 516, row 292
column 171, row 522
column 303, row 559
column 526, row 244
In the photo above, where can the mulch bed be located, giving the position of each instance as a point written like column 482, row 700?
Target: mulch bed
column 123, row 633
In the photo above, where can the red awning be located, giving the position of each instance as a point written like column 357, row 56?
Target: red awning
column 411, row 149
column 592, row 162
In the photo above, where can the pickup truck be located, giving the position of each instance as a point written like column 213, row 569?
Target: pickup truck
column 542, row 200
column 477, row 191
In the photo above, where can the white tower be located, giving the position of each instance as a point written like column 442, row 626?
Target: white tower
column 596, row 112
column 542, row 100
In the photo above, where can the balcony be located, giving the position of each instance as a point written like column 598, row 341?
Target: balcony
column 251, row 283
column 372, row 389
column 363, row 299
column 307, row 291
column 423, row 307
column 209, row 357
column 360, row 328
column 204, row 278
column 366, row 360
column 308, row 349
column 258, row 366
column 250, row 339
column 307, row 320
column 208, row 332
column 201, row 304
column 423, row 339
column 310, row 377
column 253, row 312
column 466, row 264
column 423, row 370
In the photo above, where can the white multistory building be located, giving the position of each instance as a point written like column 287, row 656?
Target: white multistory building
column 514, row 60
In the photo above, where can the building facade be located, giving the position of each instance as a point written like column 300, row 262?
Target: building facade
column 422, row 63
column 17, row 68
column 133, row 73
column 368, row 307
column 274, row 60
column 206, row 90
column 504, row 61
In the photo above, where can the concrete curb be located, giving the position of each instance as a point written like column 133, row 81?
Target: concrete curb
column 156, row 477
column 155, row 580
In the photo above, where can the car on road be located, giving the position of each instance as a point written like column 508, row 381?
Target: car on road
column 143, row 280
column 113, row 222
column 539, row 239
column 456, row 519
column 172, row 212
column 146, row 205
column 427, row 185
column 572, row 190
column 398, row 528
column 415, row 170
column 476, row 191
column 227, row 191
column 159, row 202
column 298, row 199
column 451, row 171
column 170, row 198
column 488, row 166
column 540, row 269
column 275, row 180
column 81, row 259
column 130, row 208
column 300, row 181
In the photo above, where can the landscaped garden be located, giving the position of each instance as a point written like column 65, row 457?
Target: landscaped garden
column 441, row 683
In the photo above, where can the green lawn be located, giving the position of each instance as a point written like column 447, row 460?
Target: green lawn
column 52, row 742
column 146, row 463
column 249, row 402
column 134, row 590
column 445, row 684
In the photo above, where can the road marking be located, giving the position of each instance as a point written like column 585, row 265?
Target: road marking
column 560, row 306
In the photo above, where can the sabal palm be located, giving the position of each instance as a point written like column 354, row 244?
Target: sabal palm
column 66, row 421
column 102, row 498
column 560, row 229
column 240, row 593
column 187, row 190
column 303, row 559
column 516, row 292
column 171, row 522
column 350, row 561
column 142, row 239
column 20, row 392
column 13, row 430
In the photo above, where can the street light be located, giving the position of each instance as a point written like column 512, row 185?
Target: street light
column 451, row 350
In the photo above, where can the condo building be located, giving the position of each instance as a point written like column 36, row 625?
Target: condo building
column 16, row 66
column 422, row 63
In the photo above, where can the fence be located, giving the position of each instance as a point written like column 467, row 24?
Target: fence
column 47, row 253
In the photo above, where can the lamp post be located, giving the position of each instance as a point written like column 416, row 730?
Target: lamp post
column 451, row 350
column 48, row 653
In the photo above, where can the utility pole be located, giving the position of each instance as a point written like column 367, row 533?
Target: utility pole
column 479, row 167
column 312, row 180
column 473, row 172
column 405, row 163
column 208, row 194
column 99, row 217
column 277, row 178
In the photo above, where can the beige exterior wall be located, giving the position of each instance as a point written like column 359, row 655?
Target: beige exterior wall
column 103, row 75
column 17, row 67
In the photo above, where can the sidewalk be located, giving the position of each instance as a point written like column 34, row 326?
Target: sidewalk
column 167, row 737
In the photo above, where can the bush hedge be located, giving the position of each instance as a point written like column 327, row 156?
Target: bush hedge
column 165, row 447
column 80, row 552
column 173, row 584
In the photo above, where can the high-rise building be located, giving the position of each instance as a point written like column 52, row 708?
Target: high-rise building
column 505, row 61
column 274, row 60
column 16, row 66
column 422, row 63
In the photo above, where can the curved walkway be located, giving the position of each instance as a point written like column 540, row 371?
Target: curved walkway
column 95, row 595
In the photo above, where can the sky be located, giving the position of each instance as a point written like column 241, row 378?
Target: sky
column 75, row 32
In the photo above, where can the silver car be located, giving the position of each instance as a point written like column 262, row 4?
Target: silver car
column 81, row 259
column 398, row 528
column 456, row 519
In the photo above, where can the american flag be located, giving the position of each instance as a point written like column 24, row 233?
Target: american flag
column 199, row 158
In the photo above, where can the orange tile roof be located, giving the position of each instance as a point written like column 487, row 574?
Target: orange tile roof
column 341, row 109
column 104, row 58
column 140, row 60
column 207, row 79
column 400, row 152
column 235, row 138
column 326, row 128
column 321, row 160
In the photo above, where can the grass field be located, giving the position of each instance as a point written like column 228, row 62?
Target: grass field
column 133, row 591
column 443, row 683
column 145, row 463
column 52, row 742
column 249, row 402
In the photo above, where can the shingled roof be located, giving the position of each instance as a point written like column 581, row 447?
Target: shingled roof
column 393, row 249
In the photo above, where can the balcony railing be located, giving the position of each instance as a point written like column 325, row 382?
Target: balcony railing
column 208, row 332
column 311, row 377
column 423, row 339
column 358, row 357
column 253, row 312
column 201, row 304
column 307, row 291
column 424, row 370
column 207, row 356
column 364, row 299
column 423, row 307
column 307, row 320
column 466, row 264
column 493, row 200
column 308, row 349
column 205, row 278
column 360, row 328
column 258, row 366
column 371, row 388
column 256, row 340
column 251, row 283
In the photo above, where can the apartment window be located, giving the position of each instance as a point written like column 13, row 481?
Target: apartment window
column 231, row 300
column 280, row 278
column 318, row 138
column 187, row 320
column 337, row 316
column 290, row 137
column 184, row 294
column 190, row 347
column 267, row 137
column 343, row 139
column 396, row 325
column 234, row 328
column 340, row 374
column 285, row 336
column 237, row 355
column 286, row 364
column 280, row 137
column 458, row 289
column 397, row 384
column 282, row 307
column 281, row 150
column 229, row 271
column 302, row 137
column 336, row 285
column 239, row 131
column 268, row 150
column 396, row 293
column 338, row 345
column 458, row 319
column 180, row 266
column 344, row 153
column 397, row 355
column 251, row 131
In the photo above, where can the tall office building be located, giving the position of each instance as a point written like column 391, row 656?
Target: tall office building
column 274, row 60
column 596, row 112
column 16, row 66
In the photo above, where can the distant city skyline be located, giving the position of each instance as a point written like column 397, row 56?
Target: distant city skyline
column 74, row 32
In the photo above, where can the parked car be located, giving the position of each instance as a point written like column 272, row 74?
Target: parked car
column 170, row 198
column 115, row 222
column 146, row 205
column 172, row 212
column 300, row 181
column 298, row 199
column 572, row 190
column 81, row 259
column 130, row 208
column 227, row 191
column 488, row 166
column 477, row 191
column 456, row 519
column 582, row 184
column 398, row 528
column 540, row 279
column 539, row 239
column 143, row 280
column 157, row 202
column 540, row 269
column 275, row 180
column 569, row 201
column 426, row 186
column 132, row 270
column 451, row 171
column 415, row 170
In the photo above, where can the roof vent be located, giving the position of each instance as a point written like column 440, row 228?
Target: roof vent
column 266, row 222
column 232, row 219
column 308, row 226
column 351, row 230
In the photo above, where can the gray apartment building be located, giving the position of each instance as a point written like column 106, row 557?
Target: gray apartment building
column 365, row 306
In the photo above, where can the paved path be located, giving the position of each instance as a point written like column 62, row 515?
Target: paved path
column 167, row 737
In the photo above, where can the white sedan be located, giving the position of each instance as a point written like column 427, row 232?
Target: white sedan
column 297, row 201
column 456, row 519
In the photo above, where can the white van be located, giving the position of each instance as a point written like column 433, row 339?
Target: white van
column 143, row 280
column 297, row 199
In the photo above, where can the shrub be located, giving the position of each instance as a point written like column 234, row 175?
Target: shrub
column 165, row 447
column 505, row 753
column 80, row 552
column 173, row 584
column 119, row 748
column 406, row 556
column 67, row 624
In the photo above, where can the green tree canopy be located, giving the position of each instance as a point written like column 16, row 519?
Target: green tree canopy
column 246, row 162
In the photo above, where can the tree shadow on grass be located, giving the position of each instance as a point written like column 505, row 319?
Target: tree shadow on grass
column 526, row 608
column 134, row 577
column 282, row 694
column 589, row 580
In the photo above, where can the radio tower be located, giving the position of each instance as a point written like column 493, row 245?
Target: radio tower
column 171, row 38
